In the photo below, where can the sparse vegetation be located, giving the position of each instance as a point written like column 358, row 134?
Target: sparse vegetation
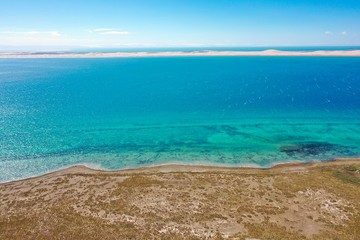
column 316, row 202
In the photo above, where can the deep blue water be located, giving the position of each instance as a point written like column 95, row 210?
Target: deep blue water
column 130, row 112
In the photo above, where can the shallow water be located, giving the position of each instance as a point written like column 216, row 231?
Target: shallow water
column 131, row 112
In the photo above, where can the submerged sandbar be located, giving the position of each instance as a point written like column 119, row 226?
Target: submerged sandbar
column 319, row 53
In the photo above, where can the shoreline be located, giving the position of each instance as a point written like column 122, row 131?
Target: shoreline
column 270, row 52
column 316, row 200
column 281, row 167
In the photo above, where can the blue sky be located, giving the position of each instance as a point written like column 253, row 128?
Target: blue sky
column 140, row 23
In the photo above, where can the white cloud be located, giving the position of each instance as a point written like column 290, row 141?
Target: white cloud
column 25, row 33
column 104, row 29
column 114, row 33
column 109, row 31
column 52, row 33
column 328, row 33
column 30, row 33
column 343, row 33
column 44, row 41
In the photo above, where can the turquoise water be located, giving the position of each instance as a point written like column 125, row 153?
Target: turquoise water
column 131, row 112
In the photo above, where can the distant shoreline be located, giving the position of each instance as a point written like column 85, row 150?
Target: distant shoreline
column 318, row 53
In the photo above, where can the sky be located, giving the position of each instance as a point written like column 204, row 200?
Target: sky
column 46, row 24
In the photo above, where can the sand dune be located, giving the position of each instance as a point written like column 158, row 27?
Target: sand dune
column 270, row 52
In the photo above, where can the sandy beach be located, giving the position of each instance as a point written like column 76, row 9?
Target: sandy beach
column 334, row 53
column 289, row 201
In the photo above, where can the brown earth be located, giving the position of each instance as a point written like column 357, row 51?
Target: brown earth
column 289, row 201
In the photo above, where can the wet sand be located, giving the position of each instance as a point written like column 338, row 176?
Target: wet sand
column 289, row 201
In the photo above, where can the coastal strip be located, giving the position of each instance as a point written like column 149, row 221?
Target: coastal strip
column 175, row 167
column 320, row 53
column 316, row 200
